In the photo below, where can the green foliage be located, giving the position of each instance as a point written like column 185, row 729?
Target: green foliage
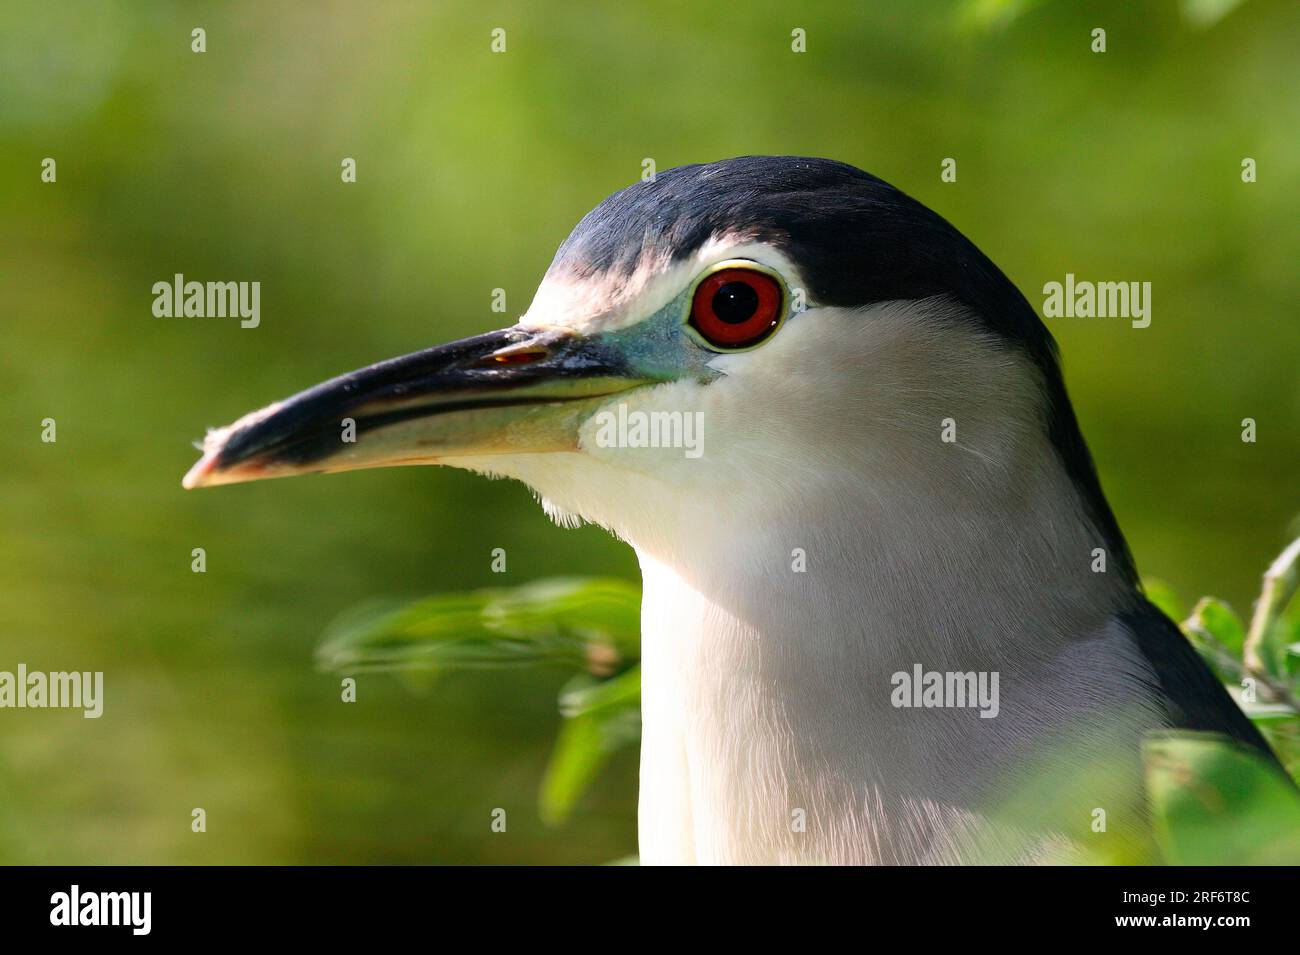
column 1212, row 802
column 600, row 718
column 1259, row 662
column 580, row 624
column 1215, row 803
column 591, row 627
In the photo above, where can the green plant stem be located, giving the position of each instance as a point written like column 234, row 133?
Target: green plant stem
column 1279, row 588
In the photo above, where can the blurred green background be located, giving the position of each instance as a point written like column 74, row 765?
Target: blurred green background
column 472, row 167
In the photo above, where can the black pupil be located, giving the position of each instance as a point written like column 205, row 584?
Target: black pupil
column 735, row 302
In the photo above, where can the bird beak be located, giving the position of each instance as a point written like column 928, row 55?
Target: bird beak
column 520, row 390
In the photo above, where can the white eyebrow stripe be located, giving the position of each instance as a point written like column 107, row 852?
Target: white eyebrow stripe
column 611, row 301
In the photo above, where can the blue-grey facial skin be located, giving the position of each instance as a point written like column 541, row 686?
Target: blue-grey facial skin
column 662, row 347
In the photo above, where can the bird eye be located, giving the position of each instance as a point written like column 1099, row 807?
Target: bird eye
column 737, row 308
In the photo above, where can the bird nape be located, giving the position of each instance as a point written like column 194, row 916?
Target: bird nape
column 888, row 614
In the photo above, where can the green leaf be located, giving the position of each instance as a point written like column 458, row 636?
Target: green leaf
column 604, row 717
column 1277, row 649
column 1214, row 802
column 591, row 626
column 1270, row 631
column 1261, row 712
column 1212, row 617
column 584, row 695
column 1217, row 634
column 578, row 623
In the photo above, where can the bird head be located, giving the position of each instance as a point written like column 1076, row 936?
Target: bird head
column 723, row 342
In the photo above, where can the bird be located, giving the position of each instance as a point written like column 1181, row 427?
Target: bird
column 888, row 614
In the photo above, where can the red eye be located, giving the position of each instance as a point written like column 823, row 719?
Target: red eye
column 736, row 308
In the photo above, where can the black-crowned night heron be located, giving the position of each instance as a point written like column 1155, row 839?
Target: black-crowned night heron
column 877, row 482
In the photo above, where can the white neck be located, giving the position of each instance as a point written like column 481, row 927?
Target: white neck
column 767, row 689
